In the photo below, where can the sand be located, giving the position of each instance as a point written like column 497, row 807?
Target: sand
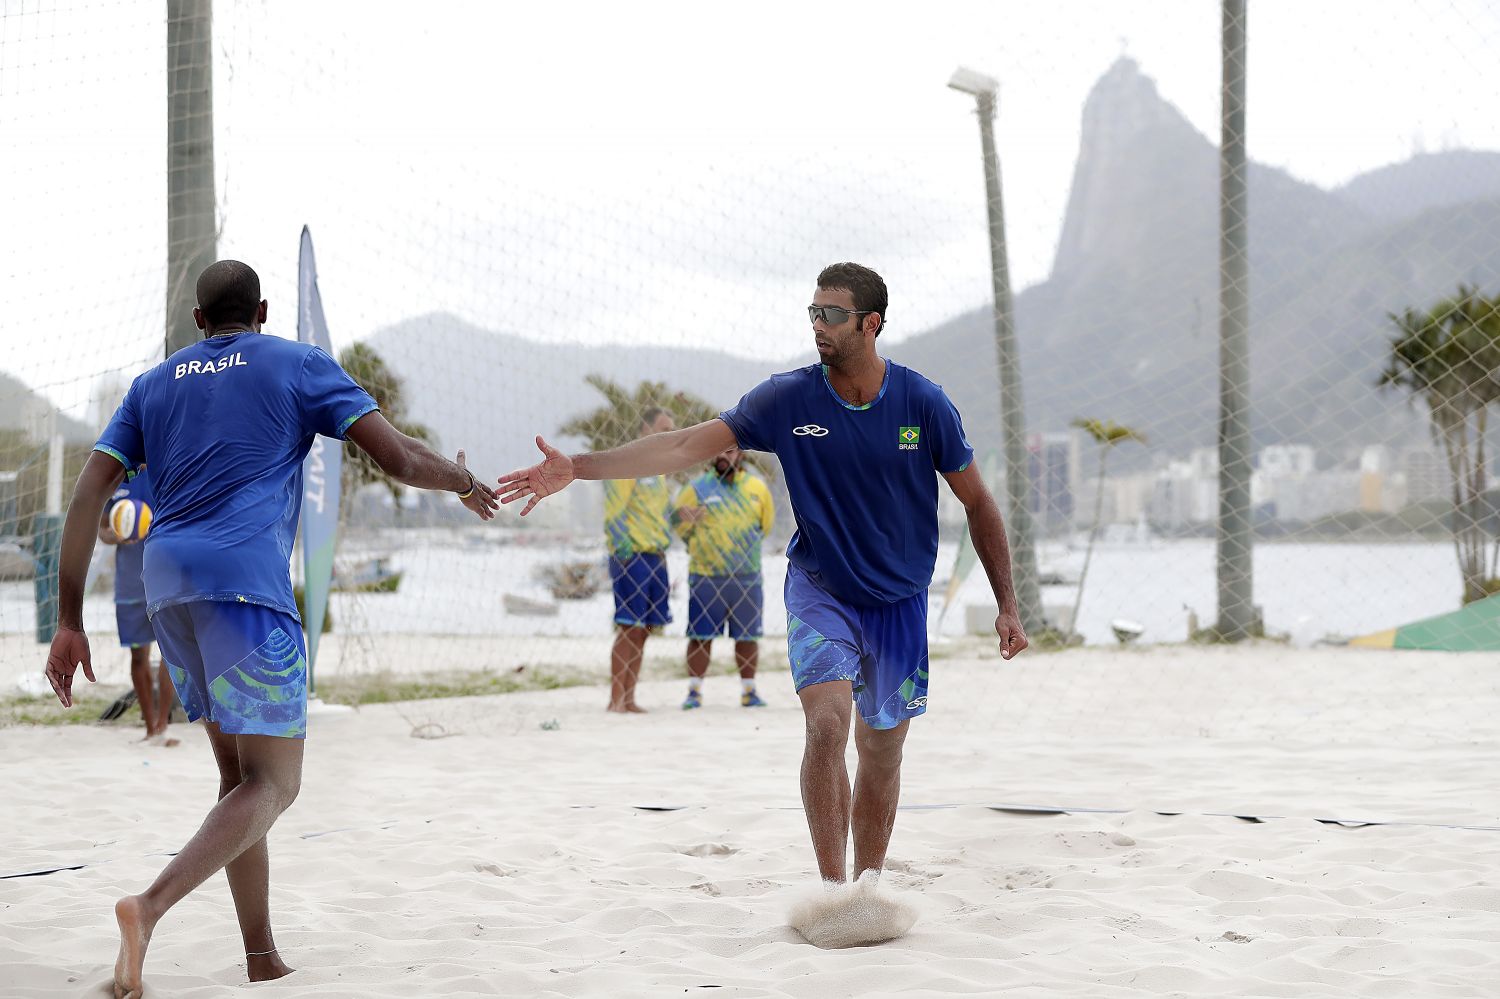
column 517, row 859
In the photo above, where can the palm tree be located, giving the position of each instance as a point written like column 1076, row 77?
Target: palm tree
column 365, row 365
column 619, row 419
column 1107, row 434
column 1449, row 358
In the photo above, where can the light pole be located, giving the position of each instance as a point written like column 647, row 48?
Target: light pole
column 1012, row 413
column 1235, row 535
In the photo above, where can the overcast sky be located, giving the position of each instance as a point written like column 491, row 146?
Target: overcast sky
column 673, row 172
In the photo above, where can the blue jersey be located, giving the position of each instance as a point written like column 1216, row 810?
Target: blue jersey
column 129, row 589
column 224, row 425
column 862, row 479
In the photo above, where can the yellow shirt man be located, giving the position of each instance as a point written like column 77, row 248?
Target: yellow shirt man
column 737, row 516
column 725, row 516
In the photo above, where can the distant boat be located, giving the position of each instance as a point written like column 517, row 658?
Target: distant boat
column 528, row 606
column 1126, row 631
column 373, row 575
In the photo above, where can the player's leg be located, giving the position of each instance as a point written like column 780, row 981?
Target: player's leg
column 748, row 602
column 145, row 695
column 705, row 622
column 699, row 654
column 134, row 627
column 877, row 791
column 746, row 657
column 249, row 874
column 166, row 696
column 894, row 692
column 826, row 709
column 270, row 777
column 823, row 649
column 244, row 668
column 625, row 665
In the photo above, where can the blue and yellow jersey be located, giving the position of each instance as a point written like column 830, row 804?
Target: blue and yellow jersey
column 635, row 515
column 737, row 517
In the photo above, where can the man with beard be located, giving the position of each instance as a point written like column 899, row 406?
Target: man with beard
column 862, row 441
column 724, row 515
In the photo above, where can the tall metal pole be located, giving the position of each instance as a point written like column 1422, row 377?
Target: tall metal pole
column 191, row 219
column 1012, row 410
column 1235, row 540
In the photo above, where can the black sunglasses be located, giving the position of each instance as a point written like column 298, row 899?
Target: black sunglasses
column 832, row 315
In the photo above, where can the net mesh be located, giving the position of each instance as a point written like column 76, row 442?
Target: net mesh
column 494, row 228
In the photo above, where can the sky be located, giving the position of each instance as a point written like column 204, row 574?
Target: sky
column 667, row 172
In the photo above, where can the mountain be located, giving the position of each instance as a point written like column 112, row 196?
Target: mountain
column 1428, row 180
column 20, row 408
column 1124, row 328
column 490, row 392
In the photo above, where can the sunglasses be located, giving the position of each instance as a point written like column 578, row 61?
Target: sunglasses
column 832, row 315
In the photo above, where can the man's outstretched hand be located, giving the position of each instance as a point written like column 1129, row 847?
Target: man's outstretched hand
column 70, row 649
column 552, row 474
column 481, row 498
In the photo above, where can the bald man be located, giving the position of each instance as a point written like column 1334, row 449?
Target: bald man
column 225, row 425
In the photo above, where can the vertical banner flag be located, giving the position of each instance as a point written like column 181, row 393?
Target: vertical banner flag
column 320, row 473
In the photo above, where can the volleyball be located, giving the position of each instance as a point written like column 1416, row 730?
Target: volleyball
column 130, row 519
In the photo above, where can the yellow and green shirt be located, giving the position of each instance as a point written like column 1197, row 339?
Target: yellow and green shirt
column 737, row 517
column 635, row 515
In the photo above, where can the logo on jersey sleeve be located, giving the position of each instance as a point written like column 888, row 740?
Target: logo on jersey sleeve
column 909, row 438
column 810, row 430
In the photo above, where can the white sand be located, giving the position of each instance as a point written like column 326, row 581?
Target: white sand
column 509, row 859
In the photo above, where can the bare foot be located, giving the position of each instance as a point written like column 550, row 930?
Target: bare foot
column 135, row 935
column 266, row 967
column 635, row 708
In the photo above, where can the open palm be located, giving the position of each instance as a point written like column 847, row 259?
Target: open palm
column 550, row 475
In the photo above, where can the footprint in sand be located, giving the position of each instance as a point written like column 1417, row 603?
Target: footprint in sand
column 709, row 850
column 495, row 869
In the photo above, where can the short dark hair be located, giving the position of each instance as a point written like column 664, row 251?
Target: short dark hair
column 867, row 287
column 650, row 414
column 228, row 292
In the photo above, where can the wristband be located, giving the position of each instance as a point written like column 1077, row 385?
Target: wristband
column 470, row 492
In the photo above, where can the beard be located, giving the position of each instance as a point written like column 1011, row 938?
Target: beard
column 724, row 469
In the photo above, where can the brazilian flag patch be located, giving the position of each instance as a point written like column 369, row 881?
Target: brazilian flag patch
column 909, row 438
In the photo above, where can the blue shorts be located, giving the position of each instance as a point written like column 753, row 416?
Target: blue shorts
column 241, row 666
column 720, row 603
column 641, row 590
column 134, row 625
column 881, row 650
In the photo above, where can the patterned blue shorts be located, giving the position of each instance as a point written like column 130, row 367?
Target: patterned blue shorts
column 881, row 650
column 720, row 604
column 241, row 666
column 641, row 590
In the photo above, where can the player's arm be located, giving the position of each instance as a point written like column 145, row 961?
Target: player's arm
column 686, row 513
column 106, row 532
column 412, row 462
column 97, row 482
column 987, row 530
column 658, row 454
